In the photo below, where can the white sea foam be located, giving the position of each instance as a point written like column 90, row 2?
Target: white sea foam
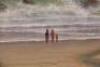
column 27, row 22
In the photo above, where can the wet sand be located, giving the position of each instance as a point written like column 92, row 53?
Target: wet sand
column 39, row 54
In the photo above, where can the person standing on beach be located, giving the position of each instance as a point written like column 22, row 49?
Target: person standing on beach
column 52, row 35
column 47, row 36
column 56, row 36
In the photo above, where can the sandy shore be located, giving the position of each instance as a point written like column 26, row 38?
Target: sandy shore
column 39, row 54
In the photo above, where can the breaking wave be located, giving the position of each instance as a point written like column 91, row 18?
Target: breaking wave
column 23, row 22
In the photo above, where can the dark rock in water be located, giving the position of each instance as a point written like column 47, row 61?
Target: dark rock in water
column 2, row 6
column 92, row 2
column 87, row 3
column 28, row 1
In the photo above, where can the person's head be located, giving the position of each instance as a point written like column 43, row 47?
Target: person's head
column 47, row 30
column 52, row 30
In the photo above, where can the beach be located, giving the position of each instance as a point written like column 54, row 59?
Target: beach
column 22, row 34
column 68, row 53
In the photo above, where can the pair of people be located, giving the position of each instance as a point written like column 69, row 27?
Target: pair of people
column 52, row 34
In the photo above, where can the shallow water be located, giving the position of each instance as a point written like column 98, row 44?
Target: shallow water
column 26, row 22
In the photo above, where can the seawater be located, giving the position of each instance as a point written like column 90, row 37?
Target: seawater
column 27, row 22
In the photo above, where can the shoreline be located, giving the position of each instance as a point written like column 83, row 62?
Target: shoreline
column 66, row 42
column 49, row 41
column 60, row 39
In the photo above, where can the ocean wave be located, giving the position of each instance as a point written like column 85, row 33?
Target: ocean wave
column 27, row 22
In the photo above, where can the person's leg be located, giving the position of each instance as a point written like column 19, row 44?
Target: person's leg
column 57, row 38
column 46, row 40
column 53, row 38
